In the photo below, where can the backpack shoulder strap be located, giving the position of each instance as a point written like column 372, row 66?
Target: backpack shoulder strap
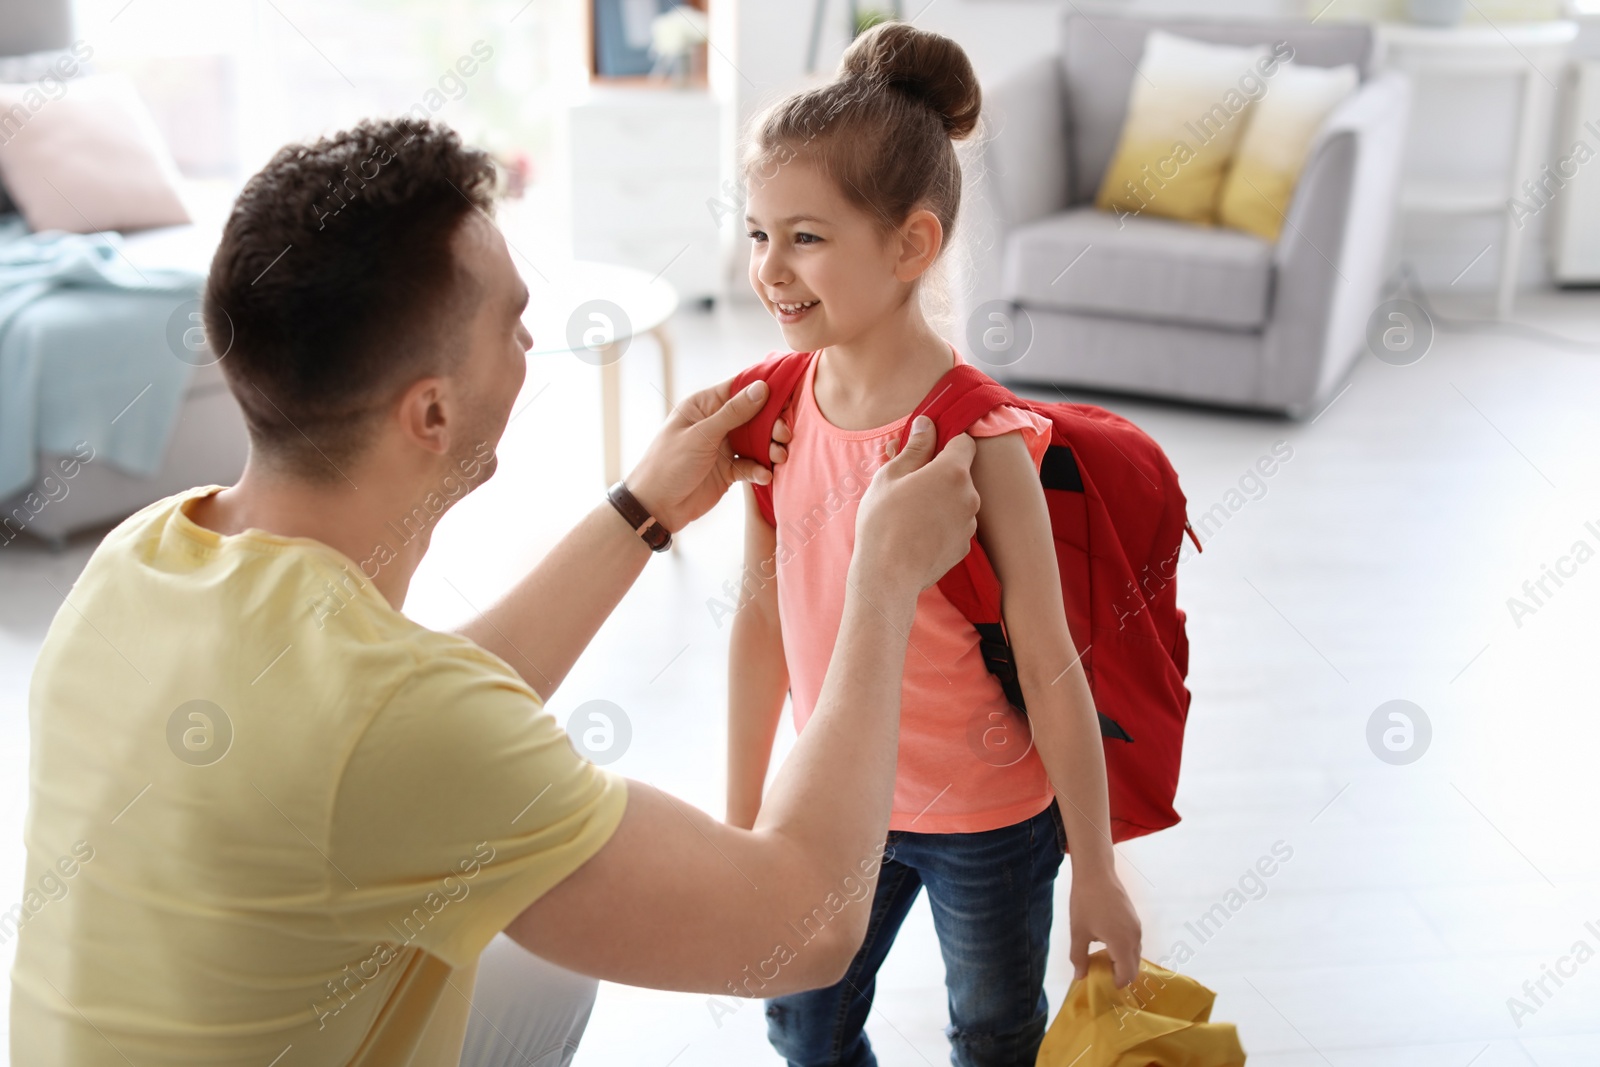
column 963, row 396
column 753, row 440
column 782, row 373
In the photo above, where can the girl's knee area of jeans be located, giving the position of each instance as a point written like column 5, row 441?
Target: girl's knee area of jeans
column 979, row 1047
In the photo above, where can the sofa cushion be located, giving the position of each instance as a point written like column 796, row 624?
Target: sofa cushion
column 1185, row 115
column 1099, row 57
column 1283, row 123
column 87, row 160
column 1088, row 261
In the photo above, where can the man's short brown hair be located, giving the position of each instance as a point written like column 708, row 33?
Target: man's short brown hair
column 336, row 284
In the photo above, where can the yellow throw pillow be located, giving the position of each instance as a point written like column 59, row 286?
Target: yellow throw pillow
column 1283, row 123
column 1185, row 115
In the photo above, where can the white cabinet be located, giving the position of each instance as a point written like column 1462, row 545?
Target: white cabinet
column 646, row 168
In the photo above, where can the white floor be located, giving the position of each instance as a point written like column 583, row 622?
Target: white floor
column 1376, row 566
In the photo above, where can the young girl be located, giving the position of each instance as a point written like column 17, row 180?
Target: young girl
column 852, row 194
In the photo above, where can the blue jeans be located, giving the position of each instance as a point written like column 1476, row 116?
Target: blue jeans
column 991, row 894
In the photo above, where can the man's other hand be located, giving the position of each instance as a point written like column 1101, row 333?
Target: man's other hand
column 919, row 515
column 690, row 464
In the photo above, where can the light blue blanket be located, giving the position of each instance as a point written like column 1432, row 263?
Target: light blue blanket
column 84, row 352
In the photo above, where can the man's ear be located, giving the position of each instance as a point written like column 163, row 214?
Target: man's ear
column 921, row 237
column 426, row 413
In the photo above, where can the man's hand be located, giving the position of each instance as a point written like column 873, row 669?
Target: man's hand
column 690, row 464
column 918, row 516
column 1101, row 911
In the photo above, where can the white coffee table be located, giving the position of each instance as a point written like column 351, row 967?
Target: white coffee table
column 594, row 311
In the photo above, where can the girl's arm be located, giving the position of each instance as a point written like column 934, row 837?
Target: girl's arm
column 758, row 674
column 1014, row 529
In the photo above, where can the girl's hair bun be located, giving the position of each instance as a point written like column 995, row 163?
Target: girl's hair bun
column 921, row 64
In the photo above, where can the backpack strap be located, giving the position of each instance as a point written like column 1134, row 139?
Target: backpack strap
column 753, row 440
column 963, row 396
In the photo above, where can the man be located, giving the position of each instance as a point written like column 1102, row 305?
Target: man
column 273, row 821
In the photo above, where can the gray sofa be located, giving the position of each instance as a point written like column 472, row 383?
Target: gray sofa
column 208, row 442
column 1160, row 307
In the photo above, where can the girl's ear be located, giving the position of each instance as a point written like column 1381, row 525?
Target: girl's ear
column 921, row 237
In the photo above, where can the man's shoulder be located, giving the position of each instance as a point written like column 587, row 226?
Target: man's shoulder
column 443, row 658
column 142, row 530
column 165, row 584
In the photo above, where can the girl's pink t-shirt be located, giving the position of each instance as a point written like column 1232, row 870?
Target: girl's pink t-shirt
column 965, row 764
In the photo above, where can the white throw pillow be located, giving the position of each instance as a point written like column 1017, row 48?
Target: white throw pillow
column 84, row 155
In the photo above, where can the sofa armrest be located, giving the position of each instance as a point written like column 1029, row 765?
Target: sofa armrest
column 1016, row 172
column 1333, row 253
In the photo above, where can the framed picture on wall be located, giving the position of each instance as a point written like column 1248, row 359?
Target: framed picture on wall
column 622, row 33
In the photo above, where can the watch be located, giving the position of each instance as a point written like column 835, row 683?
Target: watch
column 657, row 536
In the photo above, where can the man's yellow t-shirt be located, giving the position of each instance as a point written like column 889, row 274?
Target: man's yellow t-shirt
column 270, row 816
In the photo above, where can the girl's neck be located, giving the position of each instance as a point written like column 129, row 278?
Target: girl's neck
column 881, row 375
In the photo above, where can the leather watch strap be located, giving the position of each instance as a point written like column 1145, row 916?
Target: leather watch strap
column 657, row 536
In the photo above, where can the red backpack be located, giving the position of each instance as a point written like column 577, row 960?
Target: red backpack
column 1118, row 517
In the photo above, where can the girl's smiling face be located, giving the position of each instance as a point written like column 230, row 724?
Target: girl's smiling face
column 824, row 268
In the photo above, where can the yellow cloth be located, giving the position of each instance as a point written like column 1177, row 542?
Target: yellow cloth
column 1161, row 1019
column 1188, row 107
column 385, row 800
column 1272, row 151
